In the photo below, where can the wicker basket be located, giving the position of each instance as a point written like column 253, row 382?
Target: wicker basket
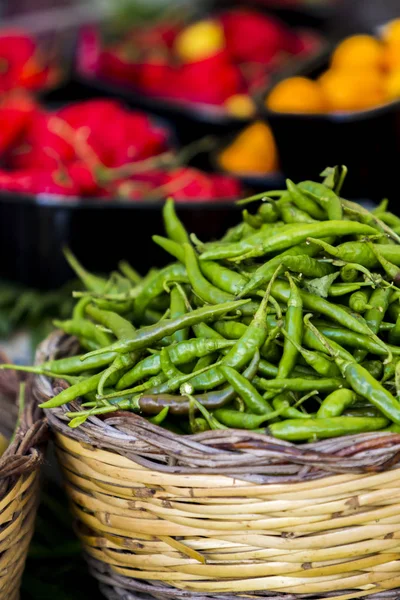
column 19, row 485
column 228, row 514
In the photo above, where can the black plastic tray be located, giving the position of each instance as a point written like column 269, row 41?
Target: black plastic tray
column 33, row 231
column 367, row 142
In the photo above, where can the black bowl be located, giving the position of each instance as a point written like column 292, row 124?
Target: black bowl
column 367, row 142
column 33, row 231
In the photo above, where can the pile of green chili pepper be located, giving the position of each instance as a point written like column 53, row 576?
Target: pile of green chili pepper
column 288, row 325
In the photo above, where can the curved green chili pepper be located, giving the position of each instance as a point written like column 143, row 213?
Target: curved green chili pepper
column 336, row 403
column 298, row 430
column 173, row 226
column 294, row 328
column 325, row 197
column 303, row 202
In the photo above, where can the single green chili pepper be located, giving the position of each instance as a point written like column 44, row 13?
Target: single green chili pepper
column 173, row 226
column 121, row 363
column 303, row 202
column 335, row 404
column 74, row 365
column 358, row 301
column 80, row 308
column 325, row 197
column 268, row 212
column 394, row 334
column 121, row 327
column 254, row 221
column 292, row 214
column 205, row 290
column 342, row 289
column 360, row 252
column 374, row 316
column 350, row 272
column 167, row 366
column 295, row 384
column 178, row 308
column 239, row 420
column 284, row 237
column 160, row 418
column 354, row 340
column 74, row 391
column 90, row 281
column 129, row 272
column 294, row 328
column 147, row 336
column 156, row 286
column 391, row 270
column 389, row 218
column 82, row 328
column 283, row 404
column 298, row 430
column 250, row 396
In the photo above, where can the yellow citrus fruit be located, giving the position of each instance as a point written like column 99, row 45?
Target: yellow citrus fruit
column 392, row 85
column 346, row 91
column 240, row 105
column 358, row 52
column 252, row 152
column 391, row 33
column 297, row 95
column 199, row 41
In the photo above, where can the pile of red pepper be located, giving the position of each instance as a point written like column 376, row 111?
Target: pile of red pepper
column 96, row 149
column 22, row 63
column 254, row 44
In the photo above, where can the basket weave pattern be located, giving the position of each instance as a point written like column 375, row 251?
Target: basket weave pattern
column 19, row 482
column 229, row 513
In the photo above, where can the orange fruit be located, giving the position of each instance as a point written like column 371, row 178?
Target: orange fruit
column 297, row 95
column 200, row 41
column 347, row 91
column 253, row 151
column 240, row 105
column 358, row 52
column 392, row 56
column 391, row 33
column 392, row 85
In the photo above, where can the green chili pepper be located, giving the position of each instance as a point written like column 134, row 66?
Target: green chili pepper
column 335, row 404
column 298, row 430
column 239, row 420
column 178, row 308
column 251, row 397
column 156, row 286
column 303, row 202
column 147, row 336
column 358, row 301
column 282, row 403
column 90, row 281
column 325, row 197
column 294, row 328
column 173, row 225
column 260, row 243
column 83, row 328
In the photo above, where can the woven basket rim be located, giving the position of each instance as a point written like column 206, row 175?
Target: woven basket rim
column 26, row 452
column 243, row 454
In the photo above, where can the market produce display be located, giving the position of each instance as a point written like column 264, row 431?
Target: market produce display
column 364, row 72
column 220, row 60
column 98, row 149
column 288, row 325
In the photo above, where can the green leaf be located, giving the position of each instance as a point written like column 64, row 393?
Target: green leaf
column 76, row 421
column 321, row 285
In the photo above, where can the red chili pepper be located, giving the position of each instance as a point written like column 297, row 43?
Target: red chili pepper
column 112, row 64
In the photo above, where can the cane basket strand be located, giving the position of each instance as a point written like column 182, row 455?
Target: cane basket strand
column 228, row 514
column 19, row 485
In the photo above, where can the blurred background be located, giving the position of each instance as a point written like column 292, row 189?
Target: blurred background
column 109, row 106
